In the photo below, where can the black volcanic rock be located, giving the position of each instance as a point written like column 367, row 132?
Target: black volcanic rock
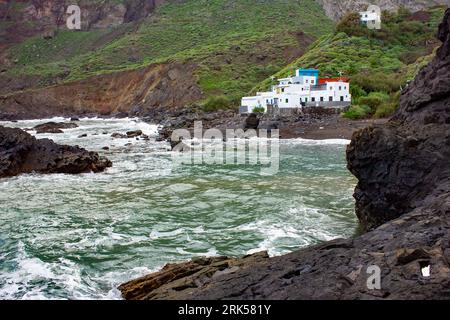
column 402, row 163
column 252, row 122
column 403, row 196
column 54, row 127
column 22, row 153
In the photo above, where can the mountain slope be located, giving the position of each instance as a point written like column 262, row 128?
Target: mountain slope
column 379, row 62
column 233, row 44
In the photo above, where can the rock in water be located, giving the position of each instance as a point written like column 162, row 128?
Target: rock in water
column 404, row 174
column 20, row 153
column 54, row 127
column 134, row 134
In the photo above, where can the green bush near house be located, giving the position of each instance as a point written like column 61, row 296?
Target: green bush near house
column 374, row 100
column 216, row 103
column 385, row 110
column 357, row 112
column 259, row 110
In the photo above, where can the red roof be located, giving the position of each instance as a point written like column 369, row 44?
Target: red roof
column 325, row 80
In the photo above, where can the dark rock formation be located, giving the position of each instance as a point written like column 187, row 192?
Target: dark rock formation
column 185, row 275
column 117, row 135
column 403, row 194
column 22, row 153
column 54, row 127
column 400, row 164
column 252, row 122
column 134, row 134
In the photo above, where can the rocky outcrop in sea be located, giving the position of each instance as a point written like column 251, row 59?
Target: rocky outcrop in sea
column 402, row 201
column 20, row 153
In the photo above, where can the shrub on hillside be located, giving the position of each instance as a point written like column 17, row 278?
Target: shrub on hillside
column 386, row 109
column 216, row 103
column 374, row 100
column 357, row 112
column 351, row 25
column 378, row 81
column 357, row 92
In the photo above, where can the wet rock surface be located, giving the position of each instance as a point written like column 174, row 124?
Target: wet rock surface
column 402, row 200
column 54, row 127
column 22, row 153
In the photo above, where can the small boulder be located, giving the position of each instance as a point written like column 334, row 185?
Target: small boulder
column 134, row 134
column 117, row 135
column 54, row 127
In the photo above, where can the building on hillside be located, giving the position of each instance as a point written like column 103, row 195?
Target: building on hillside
column 305, row 89
column 371, row 18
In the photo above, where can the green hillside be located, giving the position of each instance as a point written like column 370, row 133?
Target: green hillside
column 379, row 62
column 205, row 32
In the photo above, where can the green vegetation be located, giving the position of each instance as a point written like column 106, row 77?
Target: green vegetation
column 259, row 110
column 357, row 112
column 378, row 62
column 234, row 43
column 216, row 103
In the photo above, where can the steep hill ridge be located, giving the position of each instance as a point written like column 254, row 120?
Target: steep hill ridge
column 233, row 44
column 336, row 9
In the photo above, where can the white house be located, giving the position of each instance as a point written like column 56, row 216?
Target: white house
column 305, row 89
column 371, row 18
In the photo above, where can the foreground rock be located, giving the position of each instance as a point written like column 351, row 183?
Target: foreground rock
column 54, row 127
column 403, row 196
column 22, row 153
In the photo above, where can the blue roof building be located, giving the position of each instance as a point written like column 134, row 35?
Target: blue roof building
column 308, row 73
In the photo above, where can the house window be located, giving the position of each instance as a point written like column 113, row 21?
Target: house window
column 307, row 81
column 342, row 98
column 313, row 99
column 306, row 99
column 282, row 90
column 321, row 99
column 287, row 100
column 331, row 88
column 312, row 81
column 330, row 98
column 340, row 88
column 345, row 88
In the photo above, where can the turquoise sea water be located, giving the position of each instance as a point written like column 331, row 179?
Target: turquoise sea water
column 80, row 236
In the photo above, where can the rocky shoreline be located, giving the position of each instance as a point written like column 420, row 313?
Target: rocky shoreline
column 402, row 201
column 21, row 153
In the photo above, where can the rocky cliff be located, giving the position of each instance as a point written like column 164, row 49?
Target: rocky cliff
column 25, row 18
column 403, row 196
column 336, row 9
column 157, row 86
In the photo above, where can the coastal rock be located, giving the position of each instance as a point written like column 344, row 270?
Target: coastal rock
column 20, row 153
column 252, row 122
column 117, row 135
column 54, row 127
column 134, row 134
column 402, row 198
column 185, row 276
column 400, row 164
